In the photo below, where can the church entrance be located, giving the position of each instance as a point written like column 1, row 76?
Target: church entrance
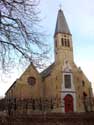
column 68, row 102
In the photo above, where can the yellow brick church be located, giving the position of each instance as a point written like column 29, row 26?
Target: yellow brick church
column 62, row 87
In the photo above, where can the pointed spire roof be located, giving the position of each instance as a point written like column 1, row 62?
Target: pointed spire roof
column 61, row 24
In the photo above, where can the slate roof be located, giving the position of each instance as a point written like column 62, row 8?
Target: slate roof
column 61, row 24
column 47, row 71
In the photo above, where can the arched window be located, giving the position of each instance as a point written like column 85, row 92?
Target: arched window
column 62, row 41
column 68, row 43
column 65, row 42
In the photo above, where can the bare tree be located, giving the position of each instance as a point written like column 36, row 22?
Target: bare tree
column 19, row 36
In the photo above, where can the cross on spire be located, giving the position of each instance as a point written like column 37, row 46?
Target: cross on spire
column 60, row 5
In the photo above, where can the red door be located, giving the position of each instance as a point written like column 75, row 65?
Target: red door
column 68, row 101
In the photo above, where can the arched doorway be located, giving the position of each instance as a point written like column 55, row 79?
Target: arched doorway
column 68, row 101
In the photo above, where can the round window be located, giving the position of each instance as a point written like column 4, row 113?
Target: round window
column 31, row 80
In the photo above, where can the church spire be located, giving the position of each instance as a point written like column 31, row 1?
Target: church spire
column 61, row 24
column 62, row 40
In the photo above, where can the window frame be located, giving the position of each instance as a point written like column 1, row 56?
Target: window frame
column 65, row 42
column 66, row 83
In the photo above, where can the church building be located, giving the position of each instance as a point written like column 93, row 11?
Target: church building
column 62, row 87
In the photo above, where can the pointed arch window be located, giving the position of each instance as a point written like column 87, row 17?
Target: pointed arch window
column 68, row 43
column 65, row 42
column 62, row 41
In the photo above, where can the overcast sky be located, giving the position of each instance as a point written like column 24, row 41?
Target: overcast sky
column 80, row 18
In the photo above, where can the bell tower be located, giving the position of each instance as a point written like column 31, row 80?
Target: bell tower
column 62, row 40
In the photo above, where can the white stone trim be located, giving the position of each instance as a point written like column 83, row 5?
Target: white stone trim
column 63, row 85
column 67, row 70
column 74, row 100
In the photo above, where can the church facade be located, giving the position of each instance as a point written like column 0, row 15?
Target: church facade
column 63, row 83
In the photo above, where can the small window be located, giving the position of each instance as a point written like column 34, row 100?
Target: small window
column 68, row 43
column 31, row 80
column 62, row 41
column 83, row 83
column 67, row 79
